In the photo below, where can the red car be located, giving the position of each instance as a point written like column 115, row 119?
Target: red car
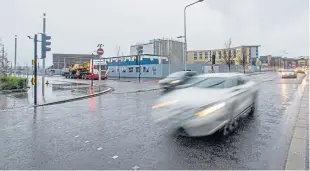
column 95, row 76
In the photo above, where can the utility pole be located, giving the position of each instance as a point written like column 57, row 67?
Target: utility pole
column 15, row 52
column 35, row 68
column 119, row 73
column 43, row 58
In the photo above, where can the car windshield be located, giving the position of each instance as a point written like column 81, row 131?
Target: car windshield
column 212, row 82
column 176, row 74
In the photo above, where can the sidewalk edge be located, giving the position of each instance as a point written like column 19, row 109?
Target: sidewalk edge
column 298, row 152
column 76, row 98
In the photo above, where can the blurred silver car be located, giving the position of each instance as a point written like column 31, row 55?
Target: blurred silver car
column 212, row 104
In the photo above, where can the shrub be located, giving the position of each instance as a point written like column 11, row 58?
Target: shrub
column 11, row 82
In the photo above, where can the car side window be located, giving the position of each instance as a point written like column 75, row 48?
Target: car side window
column 211, row 83
column 232, row 82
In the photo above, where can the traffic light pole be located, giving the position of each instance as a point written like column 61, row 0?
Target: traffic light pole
column 35, row 68
column 92, row 70
column 139, row 69
column 43, row 60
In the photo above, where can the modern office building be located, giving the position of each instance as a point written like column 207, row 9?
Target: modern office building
column 172, row 49
column 204, row 56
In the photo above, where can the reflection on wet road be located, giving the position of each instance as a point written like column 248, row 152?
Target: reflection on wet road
column 88, row 134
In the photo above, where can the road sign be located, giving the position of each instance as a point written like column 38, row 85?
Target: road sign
column 100, row 51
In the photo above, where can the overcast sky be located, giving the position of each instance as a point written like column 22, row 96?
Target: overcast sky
column 77, row 26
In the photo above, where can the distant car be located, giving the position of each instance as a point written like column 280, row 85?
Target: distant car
column 289, row 74
column 300, row 70
column 211, row 105
column 175, row 79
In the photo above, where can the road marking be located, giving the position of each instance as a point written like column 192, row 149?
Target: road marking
column 76, row 136
column 115, row 157
column 100, row 148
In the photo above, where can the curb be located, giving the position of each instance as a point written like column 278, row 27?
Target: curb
column 75, row 99
column 13, row 91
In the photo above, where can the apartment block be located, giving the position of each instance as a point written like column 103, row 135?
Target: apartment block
column 172, row 49
column 236, row 53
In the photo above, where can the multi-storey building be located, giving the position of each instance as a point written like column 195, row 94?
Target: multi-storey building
column 172, row 49
column 235, row 53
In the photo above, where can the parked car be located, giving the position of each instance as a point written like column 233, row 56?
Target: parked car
column 175, row 79
column 213, row 104
column 289, row 74
column 300, row 70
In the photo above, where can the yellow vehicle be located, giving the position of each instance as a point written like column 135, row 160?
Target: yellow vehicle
column 300, row 70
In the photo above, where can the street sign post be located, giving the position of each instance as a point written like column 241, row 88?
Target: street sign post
column 100, row 52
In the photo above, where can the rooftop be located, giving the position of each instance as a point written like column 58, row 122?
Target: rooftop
column 224, row 48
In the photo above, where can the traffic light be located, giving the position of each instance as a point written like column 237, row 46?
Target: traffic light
column 45, row 44
column 213, row 59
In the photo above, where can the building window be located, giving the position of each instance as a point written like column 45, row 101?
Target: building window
column 137, row 69
column 200, row 55
column 130, row 69
column 195, row 56
column 145, row 69
column 206, row 55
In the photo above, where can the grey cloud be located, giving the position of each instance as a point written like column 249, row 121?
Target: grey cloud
column 76, row 26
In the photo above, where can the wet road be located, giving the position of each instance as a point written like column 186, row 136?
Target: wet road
column 115, row 131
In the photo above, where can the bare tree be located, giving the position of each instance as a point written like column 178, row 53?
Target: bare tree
column 241, row 59
column 228, row 54
column 3, row 61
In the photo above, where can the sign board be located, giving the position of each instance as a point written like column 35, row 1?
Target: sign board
column 100, row 51
column 32, row 62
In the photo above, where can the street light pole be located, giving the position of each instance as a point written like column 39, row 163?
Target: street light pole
column 43, row 60
column 35, row 68
column 15, row 52
column 185, row 38
column 185, row 41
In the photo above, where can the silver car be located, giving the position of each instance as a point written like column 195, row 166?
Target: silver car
column 212, row 104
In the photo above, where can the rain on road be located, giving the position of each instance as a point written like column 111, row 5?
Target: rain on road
column 115, row 131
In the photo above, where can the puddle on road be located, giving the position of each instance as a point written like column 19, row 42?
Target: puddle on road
column 286, row 125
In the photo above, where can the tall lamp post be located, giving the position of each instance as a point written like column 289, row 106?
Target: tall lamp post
column 185, row 40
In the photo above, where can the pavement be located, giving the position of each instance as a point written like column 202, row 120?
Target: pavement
column 116, row 131
column 298, row 156
column 54, row 92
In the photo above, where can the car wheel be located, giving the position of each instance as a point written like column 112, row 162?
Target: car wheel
column 226, row 130
column 253, row 109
